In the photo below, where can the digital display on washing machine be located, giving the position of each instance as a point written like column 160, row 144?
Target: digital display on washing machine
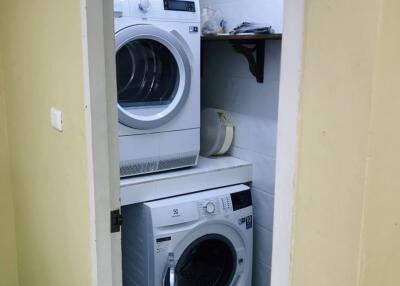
column 175, row 5
column 241, row 200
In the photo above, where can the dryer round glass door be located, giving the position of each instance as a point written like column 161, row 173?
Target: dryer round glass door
column 209, row 260
column 153, row 76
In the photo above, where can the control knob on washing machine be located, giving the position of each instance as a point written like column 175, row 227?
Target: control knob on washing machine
column 209, row 207
column 144, row 5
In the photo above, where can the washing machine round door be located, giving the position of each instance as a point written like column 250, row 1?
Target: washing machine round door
column 214, row 253
column 153, row 76
column 209, row 260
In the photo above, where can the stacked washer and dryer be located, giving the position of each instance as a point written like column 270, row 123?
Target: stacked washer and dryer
column 204, row 238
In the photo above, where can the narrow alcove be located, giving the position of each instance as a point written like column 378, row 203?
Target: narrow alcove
column 260, row 112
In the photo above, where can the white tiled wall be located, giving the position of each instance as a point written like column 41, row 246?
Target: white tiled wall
column 228, row 84
column 269, row 12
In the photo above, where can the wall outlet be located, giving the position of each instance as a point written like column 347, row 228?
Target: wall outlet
column 56, row 119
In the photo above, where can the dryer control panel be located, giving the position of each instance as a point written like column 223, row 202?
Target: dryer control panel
column 176, row 5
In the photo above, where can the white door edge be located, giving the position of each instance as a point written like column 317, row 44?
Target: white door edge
column 286, row 159
column 102, row 145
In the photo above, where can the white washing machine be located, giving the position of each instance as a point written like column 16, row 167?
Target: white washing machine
column 158, row 84
column 202, row 239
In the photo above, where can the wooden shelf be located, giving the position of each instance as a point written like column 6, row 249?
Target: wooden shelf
column 252, row 46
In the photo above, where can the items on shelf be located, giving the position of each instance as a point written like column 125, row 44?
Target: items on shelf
column 252, row 28
column 212, row 21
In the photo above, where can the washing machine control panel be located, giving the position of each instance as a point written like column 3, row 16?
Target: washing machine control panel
column 215, row 206
column 144, row 5
column 229, row 203
column 209, row 207
column 226, row 203
column 241, row 200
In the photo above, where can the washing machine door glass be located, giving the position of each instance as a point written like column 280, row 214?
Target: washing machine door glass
column 153, row 76
column 209, row 260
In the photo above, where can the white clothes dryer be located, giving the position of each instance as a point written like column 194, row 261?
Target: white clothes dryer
column 158, row 84
column 204, row 238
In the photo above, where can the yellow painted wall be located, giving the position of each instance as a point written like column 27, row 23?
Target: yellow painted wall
column 346, row 214
column 42, row 59
column 335, row 102
column 8, row 251
column 380, row 264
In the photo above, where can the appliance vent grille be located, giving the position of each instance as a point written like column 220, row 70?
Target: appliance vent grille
column 131, row 168
column 174, row 163
column 134, row 167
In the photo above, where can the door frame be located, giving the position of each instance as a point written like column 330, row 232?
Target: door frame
column 103, row 156
column 98, row 52
column 287, row 140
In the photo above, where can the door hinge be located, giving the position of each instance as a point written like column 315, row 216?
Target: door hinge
column 116, row 221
